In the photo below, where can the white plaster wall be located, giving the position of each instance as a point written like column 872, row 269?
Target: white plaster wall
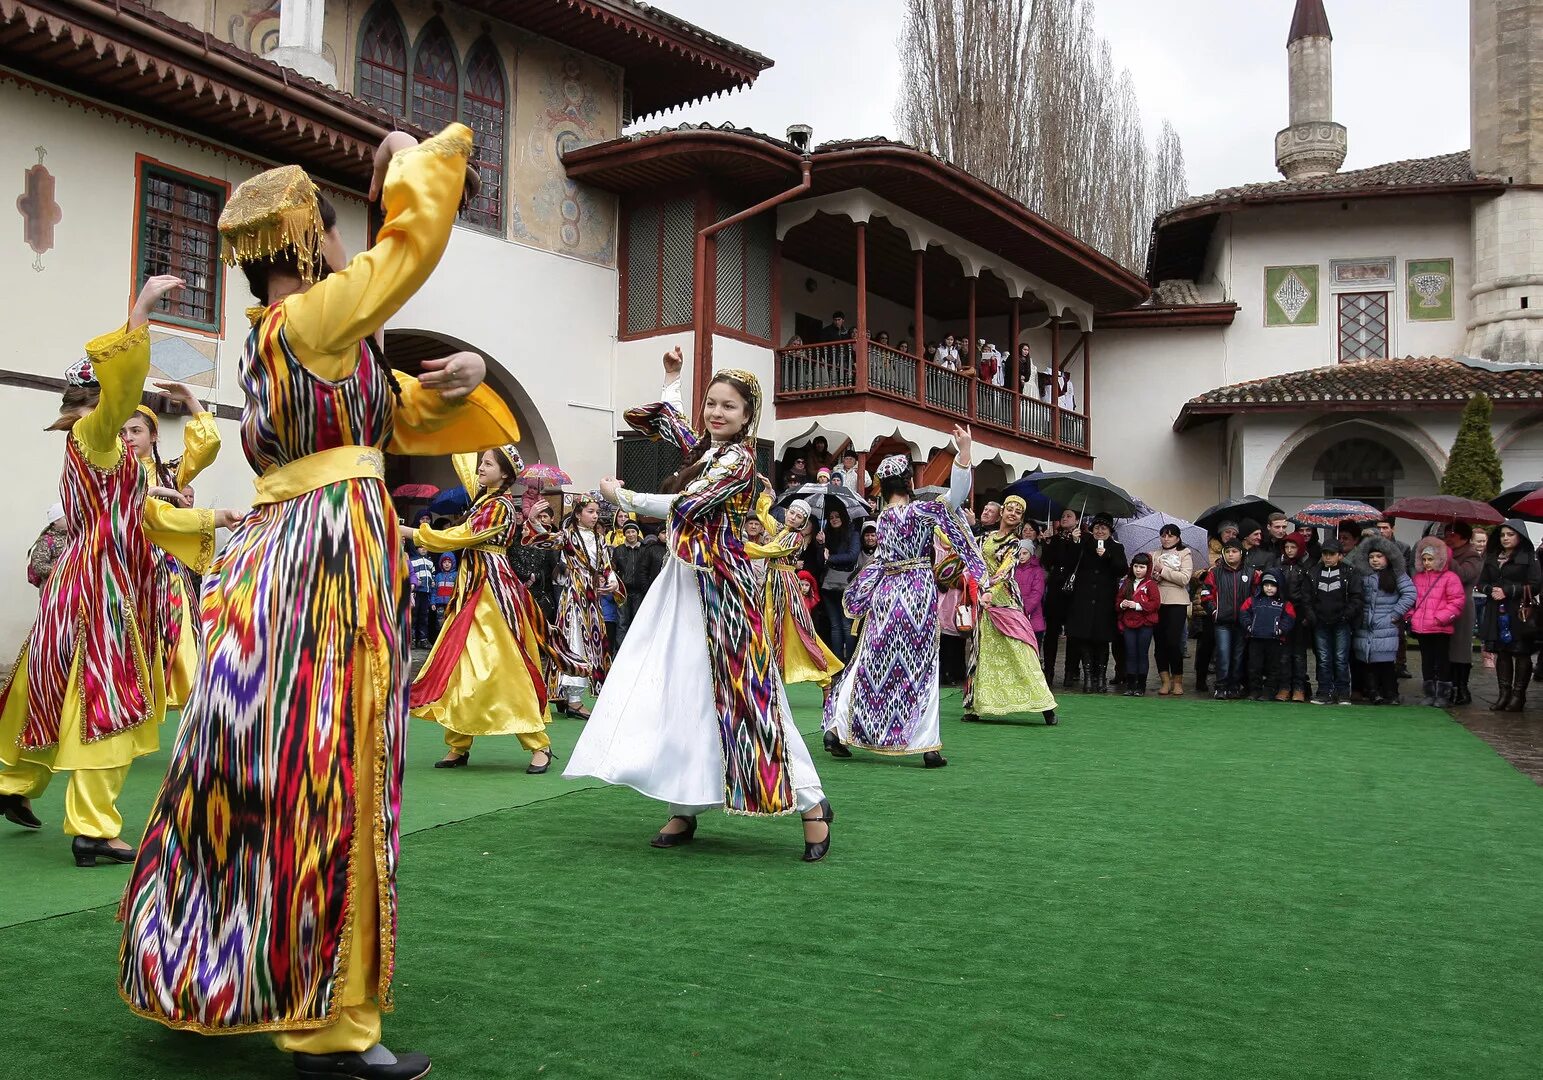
column 1313, row 234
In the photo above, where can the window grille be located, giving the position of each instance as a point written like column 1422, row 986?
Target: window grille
column 1363, row 326
column 177, row 235
column 485, row 114
column 382, row 74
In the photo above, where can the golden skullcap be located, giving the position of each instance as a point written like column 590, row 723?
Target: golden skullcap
column 273, row 211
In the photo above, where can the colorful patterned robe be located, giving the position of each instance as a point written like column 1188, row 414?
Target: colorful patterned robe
column 1002, row 668
column 581, row 577
column 240, row 908
column 895, row 666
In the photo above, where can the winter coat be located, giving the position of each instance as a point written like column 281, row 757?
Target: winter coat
column 637, row 567
column 1439, row 593
column 1146, row 593
column 1467, row 564
column 1382, row 613
column 1224, row 593
column 1173, row 581
column 1267, row 618
column 1031, row 590
column 1513, row 576
column 1058, row 556
column 1292, row 578
column 1258, row 560
column 1090, row 614
column 1333, row 597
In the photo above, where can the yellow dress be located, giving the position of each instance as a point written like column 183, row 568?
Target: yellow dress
column 484, row 675
column 200, row 445
column 101, row 502
column 1003, row 673
column 803, row 657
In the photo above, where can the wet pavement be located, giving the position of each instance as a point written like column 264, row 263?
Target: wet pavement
column 1517, row 737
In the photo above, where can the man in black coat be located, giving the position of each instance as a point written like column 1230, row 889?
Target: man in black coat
column 1059, row 559
column 1091, row 615
column 637, row 564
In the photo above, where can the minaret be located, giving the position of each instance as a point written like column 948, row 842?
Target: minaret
column 1314, row 145
column 1506, row 116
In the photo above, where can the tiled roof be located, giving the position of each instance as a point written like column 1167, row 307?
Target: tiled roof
column 1425, row 381
column 1438, row 171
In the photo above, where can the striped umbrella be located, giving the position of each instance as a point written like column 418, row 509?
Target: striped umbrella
column 1333, row 511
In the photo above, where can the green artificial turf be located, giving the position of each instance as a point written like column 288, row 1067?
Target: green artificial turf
column 1156, row 888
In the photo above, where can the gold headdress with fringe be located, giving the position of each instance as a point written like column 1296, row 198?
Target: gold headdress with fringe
column 271, row 212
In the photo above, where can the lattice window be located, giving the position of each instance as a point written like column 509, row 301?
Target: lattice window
column 382, row 73
column 1363, row 326
column 744, row 274
column 484, row 107
column 661, row 253
column 642, row 464
column 729, row 290
column 436, row 80
column 177, row 235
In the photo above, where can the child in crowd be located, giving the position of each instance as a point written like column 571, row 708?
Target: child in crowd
column 1293, row 572
column 1222, row 596
column 1137, row 603
column 1439, row 601
column 610, row 614
column 1267, row 618
column 809, row 589
column 444, row 586
column 1389, row 597
column 421, row 571
column 1333, row 603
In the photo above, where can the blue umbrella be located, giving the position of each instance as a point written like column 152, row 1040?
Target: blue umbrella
column 452, row 502
column 1038, row 506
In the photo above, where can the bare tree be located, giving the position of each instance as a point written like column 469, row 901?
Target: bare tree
column 1024, row 94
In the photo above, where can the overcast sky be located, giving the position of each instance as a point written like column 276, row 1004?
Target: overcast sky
column 1215, row 68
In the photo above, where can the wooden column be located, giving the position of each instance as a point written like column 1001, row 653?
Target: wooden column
column 1087, row 383
column 861, row 382
column 970, row 350
column 1014, row 376
column 1055, row 374
column 919, row 337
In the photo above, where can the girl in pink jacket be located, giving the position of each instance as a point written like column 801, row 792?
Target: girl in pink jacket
column 1439, row 598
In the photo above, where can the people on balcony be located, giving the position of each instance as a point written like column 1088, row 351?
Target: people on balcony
column 947, row 353
column 1028, row 385
column 837, row 330
column 1059, row 391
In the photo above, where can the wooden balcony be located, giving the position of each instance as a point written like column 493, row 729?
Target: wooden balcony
column 864, row 376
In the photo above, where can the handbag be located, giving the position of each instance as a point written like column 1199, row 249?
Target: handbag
column 964, row 613
column 1527, row 613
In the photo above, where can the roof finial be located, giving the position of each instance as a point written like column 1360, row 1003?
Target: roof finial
column 1309, row 20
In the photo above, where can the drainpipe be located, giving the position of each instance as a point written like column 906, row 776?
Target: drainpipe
column 702, row 361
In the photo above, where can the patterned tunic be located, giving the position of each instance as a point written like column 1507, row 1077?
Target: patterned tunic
column 1002, row 669
column 238, row 914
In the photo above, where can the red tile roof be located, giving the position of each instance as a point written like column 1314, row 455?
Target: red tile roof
column 1378, row 385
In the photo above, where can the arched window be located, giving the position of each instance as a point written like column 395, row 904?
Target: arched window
column 436, row 80
column 382, row 73
column 484, row 112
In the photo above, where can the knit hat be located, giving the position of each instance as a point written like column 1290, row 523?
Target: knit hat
column 632, row 526
column 1269, row 577
column 1223, row 526
column 1249, row 526
column 1233, row 543
column 1297, row 538
column 1103, row 519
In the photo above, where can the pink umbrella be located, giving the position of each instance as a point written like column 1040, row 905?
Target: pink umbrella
column 415, row 491
column 1447, row 508
column 545, row 476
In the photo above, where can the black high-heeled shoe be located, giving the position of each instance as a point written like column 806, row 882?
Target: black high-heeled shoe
column 459, row 761
column 536, row 770
column 814, row 852
column 1050, row 718
column 88, row 849
column 834, row 746
column 685, row 836
column 354, row 1067
column 15, row 810
column 933, row 760
column 970, row 718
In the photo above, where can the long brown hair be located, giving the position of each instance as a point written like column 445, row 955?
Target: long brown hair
column 693, row 464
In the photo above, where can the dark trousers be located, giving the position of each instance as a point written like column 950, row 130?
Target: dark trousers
column 1435, row 657
column 951, row 660
column 425, row 626
column 1294, row 660
column 1170, row 638
column 1137, row 643
column 1055, row 622
column 1205, row 648
column 1382, row 680
column 840, row 639
column 1264, row 664
column 1332, row 644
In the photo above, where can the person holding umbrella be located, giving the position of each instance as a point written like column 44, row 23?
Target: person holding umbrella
column 1091, row 614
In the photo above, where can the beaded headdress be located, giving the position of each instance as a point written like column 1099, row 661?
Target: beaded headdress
column 754, row 386
column 270, row 213
column 800, row 504
column 894, row 465
column 511, row 455
column 1015, row 500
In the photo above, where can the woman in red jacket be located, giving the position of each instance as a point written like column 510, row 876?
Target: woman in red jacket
column 1137, row 603
column 1439, row 600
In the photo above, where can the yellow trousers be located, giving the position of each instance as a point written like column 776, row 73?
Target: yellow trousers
column 531, row 740
column 90, row 801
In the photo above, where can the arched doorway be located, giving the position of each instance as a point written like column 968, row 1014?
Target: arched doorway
column 405, row 351
column 1355, row 460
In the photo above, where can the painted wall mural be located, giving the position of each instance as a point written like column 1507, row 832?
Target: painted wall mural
column 1290, row 296
column 38, row 209
column 1428, row 289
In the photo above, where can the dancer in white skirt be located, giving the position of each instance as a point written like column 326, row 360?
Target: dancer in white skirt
column 693, row 712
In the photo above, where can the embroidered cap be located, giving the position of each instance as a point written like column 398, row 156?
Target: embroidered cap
column 1015, row 500
column 511, row 456
column 81, row 373
column 800, row 504
column 894, row 465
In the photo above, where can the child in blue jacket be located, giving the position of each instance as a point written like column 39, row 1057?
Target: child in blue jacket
column 1267, row 619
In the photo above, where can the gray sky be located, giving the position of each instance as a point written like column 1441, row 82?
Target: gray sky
column 1215, row 68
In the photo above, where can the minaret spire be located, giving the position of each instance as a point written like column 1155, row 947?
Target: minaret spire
column 1314, row 145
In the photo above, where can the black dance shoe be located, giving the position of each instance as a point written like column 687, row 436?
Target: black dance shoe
column 834, row 746
column 459, row 761
column 88, row 849
column 16, row 811
column 685, row 836
column 969, row 718
column 933, row 760
column 354, row 1067
column 1050, row 718
column 816, row 851
column 536, row 770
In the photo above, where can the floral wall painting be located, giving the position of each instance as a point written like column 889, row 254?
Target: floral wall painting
column 1291, row 296
column 1363, row 274
column 1428, row 289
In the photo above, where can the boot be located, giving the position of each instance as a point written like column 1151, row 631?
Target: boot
column 1299, row 695
column 1519, row 681
column 1176, row 688
column 1138, row 686
column 1461, row 695
column 1428, row 692
column 1443, row 694
column 1505, row 671
column 1283, row 694
column 1167, row 684
column 1087, row 676
column 1101, row 679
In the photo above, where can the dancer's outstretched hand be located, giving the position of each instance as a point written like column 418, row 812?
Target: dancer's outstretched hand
column 150, row 296
column 228, row 519
column 454, row 376
column 183, row 395
column 674, row 360
column 965, row 442
column 608, row 489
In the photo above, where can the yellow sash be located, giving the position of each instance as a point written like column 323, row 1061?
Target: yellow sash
column 317, row 471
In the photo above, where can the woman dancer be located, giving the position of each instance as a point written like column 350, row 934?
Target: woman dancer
column 484, row 675
column 800, row 653
column 1003, row 674
column 264, row 896
column 887, row 699
column 584, row 573
column 176, row 586
column 88, row 693
column 694, row 713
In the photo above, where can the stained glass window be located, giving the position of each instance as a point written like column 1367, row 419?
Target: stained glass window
column 382, row 75
column 485, row 114
column 436, row 82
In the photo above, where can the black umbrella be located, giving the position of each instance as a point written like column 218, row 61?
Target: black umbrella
column 1249, row 506
column 1513, row 495
column 1084, row 493
column 821, row 497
